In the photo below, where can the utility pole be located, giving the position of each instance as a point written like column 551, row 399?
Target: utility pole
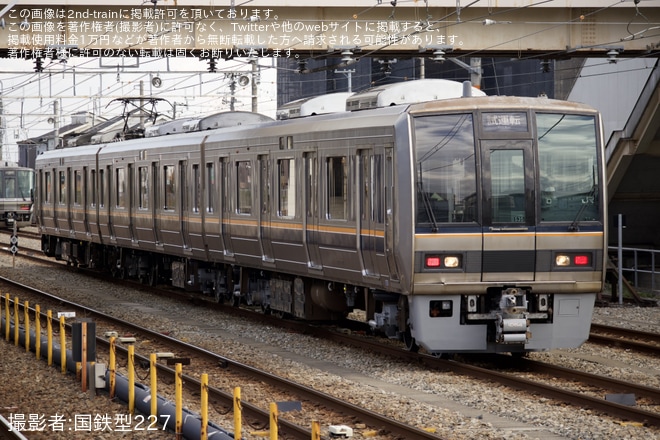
column 349, row 75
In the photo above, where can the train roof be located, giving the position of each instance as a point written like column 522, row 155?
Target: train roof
column 314, row 105
column 232, row 119
column 410, row 92
column 170, row 127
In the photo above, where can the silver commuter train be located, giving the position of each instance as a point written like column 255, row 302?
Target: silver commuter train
column 16, row 195
column 474, row 224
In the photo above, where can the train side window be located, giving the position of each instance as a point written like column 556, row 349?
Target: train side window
column 48, row 184
column 337, row 180
column 120, row 187
column 286, row 204
column 143, row 176
column 62, row 188
column 77, row 182
column 210, row 187
column 169, row 202
column 244, row 187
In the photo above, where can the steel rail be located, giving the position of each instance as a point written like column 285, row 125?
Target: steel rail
column 366, row 416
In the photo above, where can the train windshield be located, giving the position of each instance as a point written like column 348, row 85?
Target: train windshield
column 17, row 184
column 557, row 170
column 445, row 169
column 568, row 170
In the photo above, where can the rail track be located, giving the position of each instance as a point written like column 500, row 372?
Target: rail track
column 635, row 340
column 511, row 376
column 209, row 361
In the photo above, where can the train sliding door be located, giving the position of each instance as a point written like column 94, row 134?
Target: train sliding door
column 311, row 216
column 264, row 214
column 371, row 216
column 509, row 238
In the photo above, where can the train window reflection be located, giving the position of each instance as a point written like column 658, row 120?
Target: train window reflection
column 445, row 169
column 48, row 186
column 143, row 176
column 210, row 185
column 287, row 190
column 197, row 184
column 120, row 187
column 244, row 187
column 77, row 181
column 62, row 188
column 337, row 178
column 170, row 188
column 568, row 158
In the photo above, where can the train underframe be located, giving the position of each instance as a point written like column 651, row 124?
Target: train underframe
column 501, row 320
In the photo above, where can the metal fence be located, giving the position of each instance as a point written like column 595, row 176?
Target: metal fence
column 637, row 265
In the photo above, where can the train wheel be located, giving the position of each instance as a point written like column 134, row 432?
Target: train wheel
column 409, row 341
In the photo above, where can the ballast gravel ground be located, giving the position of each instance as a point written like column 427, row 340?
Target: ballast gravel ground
column 455, row 407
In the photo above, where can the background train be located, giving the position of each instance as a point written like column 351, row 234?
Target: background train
column 16, row 195
column 461, row 224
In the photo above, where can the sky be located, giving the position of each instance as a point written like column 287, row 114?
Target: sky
column 90, row 84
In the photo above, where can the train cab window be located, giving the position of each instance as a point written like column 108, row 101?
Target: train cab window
column 337, row 181
column 77, row 182
column 143, row 198
column 445, row 170
column 244, row 187
column 120, row 187
column 62, row 188
column 210, row 187
column 286, row 204
column 169, row 200
column 10, row 186
column 568, row 167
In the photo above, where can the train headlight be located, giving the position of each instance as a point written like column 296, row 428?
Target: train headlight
column 562, row 260
column 452, row 261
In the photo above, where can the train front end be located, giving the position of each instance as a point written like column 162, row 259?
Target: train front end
column 509, row 244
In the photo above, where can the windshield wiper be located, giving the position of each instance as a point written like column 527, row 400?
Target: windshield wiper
column 574, row 226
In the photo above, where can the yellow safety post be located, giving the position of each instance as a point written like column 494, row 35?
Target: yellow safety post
column 112, row 367
column 49, row 332
column 238, row 422
column 7, row 316
column 203, row 433
column 37, row 330
column 16, row 321
column 62, row 344
column 273, row 421
column 131, row 379
column 154, row 384
column 316, row 430
column 178, row 399
column 26, row 325
column 83, row 363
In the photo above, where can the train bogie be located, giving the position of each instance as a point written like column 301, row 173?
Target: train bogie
column 465, row 225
